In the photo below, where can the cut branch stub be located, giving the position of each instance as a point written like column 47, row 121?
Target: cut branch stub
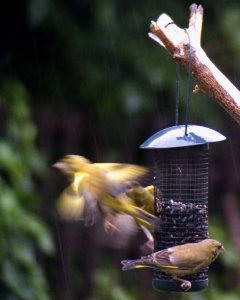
column 209, row 79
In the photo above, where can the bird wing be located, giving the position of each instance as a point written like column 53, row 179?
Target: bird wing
column 187, row 257
column 162, row 259
column 116, row 174
column 70, row 205
column 158, row 259
column 122, row 172
column 78, row 201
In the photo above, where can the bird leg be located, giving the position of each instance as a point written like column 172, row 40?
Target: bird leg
column 186, row 285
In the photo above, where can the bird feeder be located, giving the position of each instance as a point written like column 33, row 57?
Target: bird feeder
column 181, row 193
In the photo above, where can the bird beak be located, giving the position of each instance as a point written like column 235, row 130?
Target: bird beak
column 60, row 165
column 222, row 248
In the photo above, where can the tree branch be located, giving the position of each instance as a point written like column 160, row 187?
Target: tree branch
column 208, row 77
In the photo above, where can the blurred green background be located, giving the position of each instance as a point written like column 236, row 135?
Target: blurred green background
column 82, row 77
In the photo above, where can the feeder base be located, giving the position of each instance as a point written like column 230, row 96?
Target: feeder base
column 175, row 286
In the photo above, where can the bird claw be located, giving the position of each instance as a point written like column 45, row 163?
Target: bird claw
column 186, row 285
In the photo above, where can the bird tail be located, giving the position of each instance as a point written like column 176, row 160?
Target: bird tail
column 131, row 264
column 135, row 264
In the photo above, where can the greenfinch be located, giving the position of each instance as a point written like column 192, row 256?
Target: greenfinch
column 180, row 260
column 142, row 197
column 98, row 189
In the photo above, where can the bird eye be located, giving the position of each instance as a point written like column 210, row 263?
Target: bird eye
column 219, row 247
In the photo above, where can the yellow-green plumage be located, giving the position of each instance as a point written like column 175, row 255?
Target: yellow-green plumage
column 99, row 188
column 142, row 197
column 180, row 260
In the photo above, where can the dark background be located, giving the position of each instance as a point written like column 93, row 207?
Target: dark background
column 82, row 77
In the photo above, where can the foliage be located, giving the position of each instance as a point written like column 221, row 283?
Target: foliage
column 22, row 231
column 106, row 277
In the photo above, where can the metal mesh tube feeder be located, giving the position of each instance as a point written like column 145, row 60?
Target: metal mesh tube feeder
column 181, row 193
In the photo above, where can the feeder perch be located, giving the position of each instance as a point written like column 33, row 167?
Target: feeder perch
column 181, row 193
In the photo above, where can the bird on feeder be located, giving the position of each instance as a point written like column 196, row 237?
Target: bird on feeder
column 180, row 260
column 180, row 179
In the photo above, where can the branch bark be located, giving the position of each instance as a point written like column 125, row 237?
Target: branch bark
column 177, row 42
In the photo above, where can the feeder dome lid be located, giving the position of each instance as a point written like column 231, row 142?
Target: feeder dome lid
column 174, row 137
